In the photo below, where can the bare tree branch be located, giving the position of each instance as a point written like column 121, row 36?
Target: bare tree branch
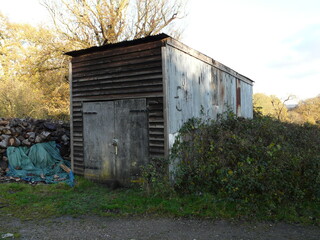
column 97, row 22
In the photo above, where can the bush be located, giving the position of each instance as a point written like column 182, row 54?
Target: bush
column 259, row 159
column 155, row 177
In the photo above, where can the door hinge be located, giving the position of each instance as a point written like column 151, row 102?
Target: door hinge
column 138, row 110
column 90, row 113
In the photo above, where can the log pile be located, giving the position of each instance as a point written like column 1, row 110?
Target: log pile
column 26, row 132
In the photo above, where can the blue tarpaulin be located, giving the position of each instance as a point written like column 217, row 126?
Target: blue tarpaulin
column 40, row 162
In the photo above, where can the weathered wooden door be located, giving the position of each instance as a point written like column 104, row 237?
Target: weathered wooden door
column 115, row 139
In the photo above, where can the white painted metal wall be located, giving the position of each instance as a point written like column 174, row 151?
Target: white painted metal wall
column 196, row 88
column 246, row 100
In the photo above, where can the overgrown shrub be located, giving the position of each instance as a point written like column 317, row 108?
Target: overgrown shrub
column 155, row 177
column 259, row 159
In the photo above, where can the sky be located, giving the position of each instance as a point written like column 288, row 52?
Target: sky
column 276, row 43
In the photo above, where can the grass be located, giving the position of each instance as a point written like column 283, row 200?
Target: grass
column 26, row 201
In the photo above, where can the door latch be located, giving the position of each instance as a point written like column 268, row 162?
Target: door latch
column 115, row 144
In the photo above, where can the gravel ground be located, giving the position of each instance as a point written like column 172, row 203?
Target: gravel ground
column 92, row 227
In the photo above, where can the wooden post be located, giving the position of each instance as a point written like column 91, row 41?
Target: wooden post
column 71, row 118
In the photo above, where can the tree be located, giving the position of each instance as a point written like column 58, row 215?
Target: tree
column 271, row 105
column 97, row 22
column 279, row 107
column 33, row 69
column 32, row 72
column 308, row 111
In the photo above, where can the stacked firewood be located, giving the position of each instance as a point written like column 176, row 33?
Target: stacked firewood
column 26, row 132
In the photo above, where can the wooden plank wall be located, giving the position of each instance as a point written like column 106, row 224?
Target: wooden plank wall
column 118, row 73
column 156, row 127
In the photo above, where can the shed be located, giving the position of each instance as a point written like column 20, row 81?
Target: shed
column 129, row 99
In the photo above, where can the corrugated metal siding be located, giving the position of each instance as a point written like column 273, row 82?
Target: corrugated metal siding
column 196, row 88
column 246, row 100
column 193, row 88
column 231, row 96
column 129, row 72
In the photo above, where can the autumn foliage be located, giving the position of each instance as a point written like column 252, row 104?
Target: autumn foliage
column 306, row 111
column 33, row 67
column 33, row 72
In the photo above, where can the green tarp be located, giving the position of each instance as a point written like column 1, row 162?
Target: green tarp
column 40, row 162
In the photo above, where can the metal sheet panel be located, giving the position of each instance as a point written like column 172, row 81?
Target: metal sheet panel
column 231, row 94
column 195, row 88
column 246, row 100
column 190, row 89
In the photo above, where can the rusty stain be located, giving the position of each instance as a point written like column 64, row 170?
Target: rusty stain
column 214, row 85
column 238, row 97
column 222, row 89
column 186, row 95
column 222, row 93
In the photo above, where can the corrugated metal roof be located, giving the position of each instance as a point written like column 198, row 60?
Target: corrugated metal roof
column 119, row 44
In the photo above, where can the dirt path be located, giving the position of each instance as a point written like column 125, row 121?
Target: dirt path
column 153, row 229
